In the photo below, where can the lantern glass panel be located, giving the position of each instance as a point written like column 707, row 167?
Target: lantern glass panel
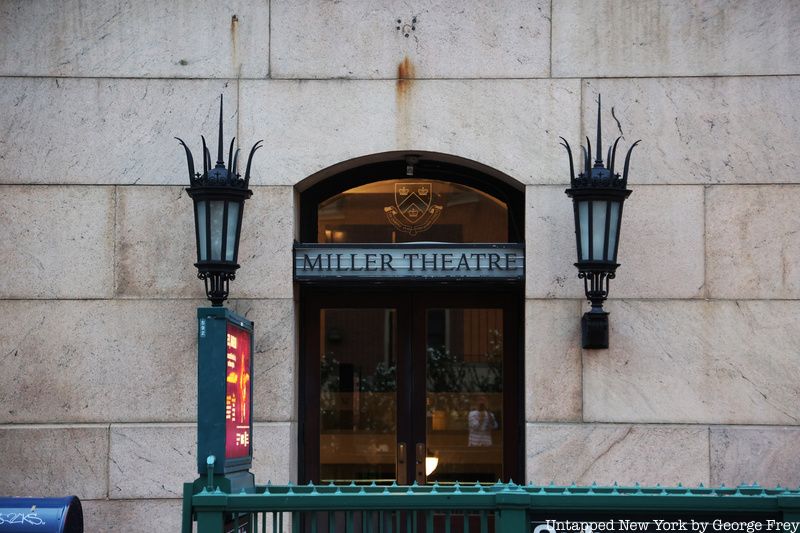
column 216, row 210
column 598, row 229
column 612, row 231
column 202, row 235
column 583, row 222
column 233, row 223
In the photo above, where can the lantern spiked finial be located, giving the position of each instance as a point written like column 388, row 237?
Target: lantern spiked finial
column 219, row 174
column 597, row 174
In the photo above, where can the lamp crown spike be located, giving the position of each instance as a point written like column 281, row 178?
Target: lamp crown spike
column 598, row 161
column 219, row 144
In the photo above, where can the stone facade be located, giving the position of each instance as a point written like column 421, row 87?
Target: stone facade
column 97, row 352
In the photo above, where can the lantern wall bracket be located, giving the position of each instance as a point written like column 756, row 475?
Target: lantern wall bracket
column 594, row 330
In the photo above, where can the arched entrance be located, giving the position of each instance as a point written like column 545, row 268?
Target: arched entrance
column 411, row 293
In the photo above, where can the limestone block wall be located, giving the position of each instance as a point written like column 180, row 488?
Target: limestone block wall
column 98, row 291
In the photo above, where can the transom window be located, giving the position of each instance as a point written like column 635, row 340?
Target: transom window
column 412, row 210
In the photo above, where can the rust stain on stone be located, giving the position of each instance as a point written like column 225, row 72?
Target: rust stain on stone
column 405, row 76
column 405, row 81
column 234, row 39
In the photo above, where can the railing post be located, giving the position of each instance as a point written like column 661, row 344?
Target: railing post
column 209, row 521
column 209, row 507
column 790, row 507
column 512, row 512
column 186, row 521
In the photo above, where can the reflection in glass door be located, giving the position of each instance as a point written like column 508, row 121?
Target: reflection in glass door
column 358, row 394
column 464, row 394
column 418, row 387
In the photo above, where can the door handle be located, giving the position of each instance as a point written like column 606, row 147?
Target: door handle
column 402, row 469
column 419, row 467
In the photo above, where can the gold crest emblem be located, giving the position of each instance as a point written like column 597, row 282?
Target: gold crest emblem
column 413, row 211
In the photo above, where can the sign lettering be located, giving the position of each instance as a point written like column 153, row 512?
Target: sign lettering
column 502, row 261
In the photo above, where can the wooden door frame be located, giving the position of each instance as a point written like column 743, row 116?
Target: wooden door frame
column 409, row 299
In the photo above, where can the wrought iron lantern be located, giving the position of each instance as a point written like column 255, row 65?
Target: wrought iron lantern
column 218, row 195
column 597, row 194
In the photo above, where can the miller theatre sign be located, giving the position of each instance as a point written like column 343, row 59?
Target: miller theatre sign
column 413, row 261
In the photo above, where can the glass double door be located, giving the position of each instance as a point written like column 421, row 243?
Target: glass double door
column 421, row 386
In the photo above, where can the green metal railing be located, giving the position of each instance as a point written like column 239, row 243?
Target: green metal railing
column 498, row 508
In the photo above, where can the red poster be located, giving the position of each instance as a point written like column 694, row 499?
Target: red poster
column 237, row 394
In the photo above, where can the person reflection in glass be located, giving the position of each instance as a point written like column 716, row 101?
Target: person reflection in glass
column 481, row 424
